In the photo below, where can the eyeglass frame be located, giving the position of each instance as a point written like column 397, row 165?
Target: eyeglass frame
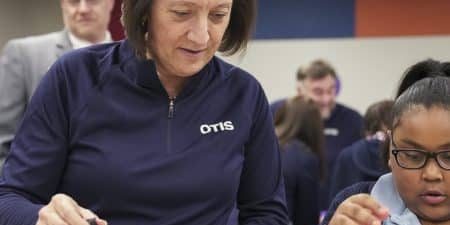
column 395, row 150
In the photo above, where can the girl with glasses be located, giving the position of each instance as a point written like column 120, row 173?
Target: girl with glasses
column 417, row 191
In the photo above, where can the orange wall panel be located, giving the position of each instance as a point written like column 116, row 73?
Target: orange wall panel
column 402, row 17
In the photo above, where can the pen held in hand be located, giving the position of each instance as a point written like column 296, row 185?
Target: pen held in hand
column 91, row 221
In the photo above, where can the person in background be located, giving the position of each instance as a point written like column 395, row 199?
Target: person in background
column 299, row 128
column 417, row 190
column 151, row 130
column 361, row 161
column 24, row 61
column 342, row 125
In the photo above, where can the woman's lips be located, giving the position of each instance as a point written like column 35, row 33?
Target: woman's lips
column 192, row 53
column 433, row 197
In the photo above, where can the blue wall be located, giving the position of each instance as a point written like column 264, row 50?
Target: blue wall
column 282, row 19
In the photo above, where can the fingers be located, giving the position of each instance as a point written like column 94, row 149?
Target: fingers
column 358, row 214
column 40, row 222
column 371, row 204
column 63, row 210
column 87, row 214
column 341, row 219
column 101, row 222
column 359, row 209
column 52, row 218
column 68, row 210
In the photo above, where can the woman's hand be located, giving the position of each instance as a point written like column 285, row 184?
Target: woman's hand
column 63, row 210
column 360, row 209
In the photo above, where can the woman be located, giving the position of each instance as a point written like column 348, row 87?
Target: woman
column 299, row 128
column 151, row 130
column 418, row 188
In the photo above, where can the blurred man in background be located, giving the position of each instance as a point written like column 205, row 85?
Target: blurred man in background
column 24, row 61
column 342, row 125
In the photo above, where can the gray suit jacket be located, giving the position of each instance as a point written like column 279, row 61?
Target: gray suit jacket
column 23, row 63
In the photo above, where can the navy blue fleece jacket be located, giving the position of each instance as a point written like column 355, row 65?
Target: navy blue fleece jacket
column 301, row 170
column 359, row 162
column 341, row 129
column 101, row 129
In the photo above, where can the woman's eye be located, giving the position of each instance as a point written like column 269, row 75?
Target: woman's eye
column 219, row 15
column 180, row 13
column 445, row 156
column 413, row 156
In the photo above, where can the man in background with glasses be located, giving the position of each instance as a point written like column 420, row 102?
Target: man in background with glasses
column 24, row 61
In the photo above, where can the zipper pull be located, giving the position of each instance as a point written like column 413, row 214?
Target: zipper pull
column 171, row 107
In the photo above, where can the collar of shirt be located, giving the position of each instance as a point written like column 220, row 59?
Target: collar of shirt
column 386, row 193
column 80, row 43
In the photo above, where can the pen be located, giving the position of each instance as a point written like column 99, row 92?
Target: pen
column 91, row 221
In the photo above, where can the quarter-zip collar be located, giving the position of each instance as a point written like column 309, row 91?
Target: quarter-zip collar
column 145, row 75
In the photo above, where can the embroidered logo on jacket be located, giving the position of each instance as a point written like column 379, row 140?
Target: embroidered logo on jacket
column 217, row 127
column 331, row 131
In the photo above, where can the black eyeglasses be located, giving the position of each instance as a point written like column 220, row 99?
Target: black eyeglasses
column 410, row 158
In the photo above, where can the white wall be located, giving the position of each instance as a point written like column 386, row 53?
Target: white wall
column 369, row 68
column 19, row 18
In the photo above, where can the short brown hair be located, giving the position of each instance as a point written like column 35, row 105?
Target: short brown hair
column 377, row 116
column 135, row 14
column 318, row 69
column 301, row 74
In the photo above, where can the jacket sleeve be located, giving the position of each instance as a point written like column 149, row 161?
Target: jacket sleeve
column 32, row 170
column 307, row 199
column 344, row 173
column 261, row 197
column 12, row 93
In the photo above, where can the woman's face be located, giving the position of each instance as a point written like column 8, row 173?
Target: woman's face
column 425, row 191
column 185, row 34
